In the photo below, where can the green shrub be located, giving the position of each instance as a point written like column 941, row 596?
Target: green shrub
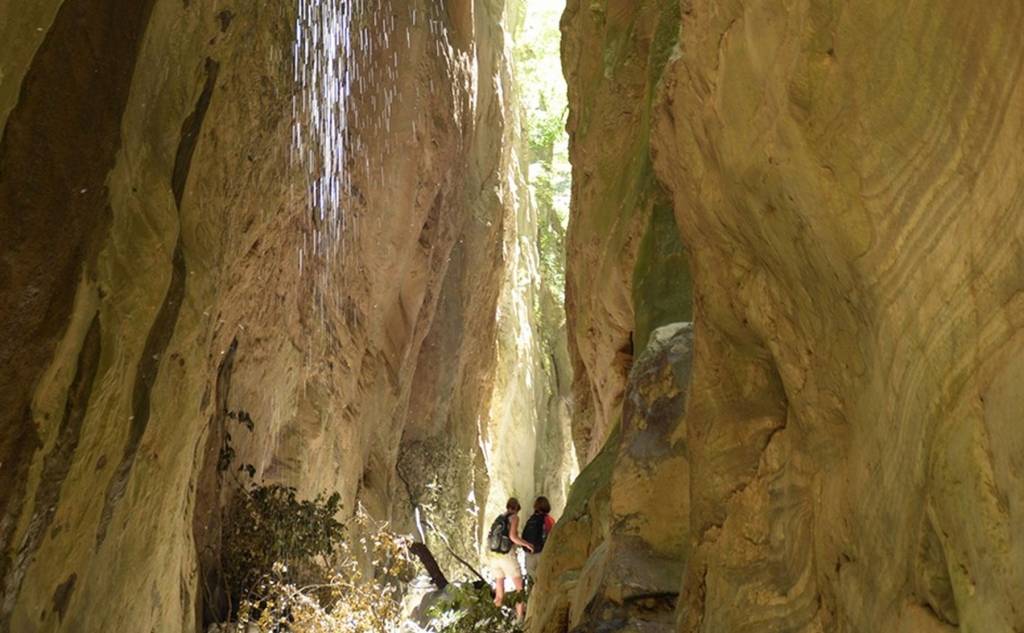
column 361, row 591
column 268, row 525
column 469, row 608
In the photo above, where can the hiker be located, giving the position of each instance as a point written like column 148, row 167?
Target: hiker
column 502, row 541
column 536, row 531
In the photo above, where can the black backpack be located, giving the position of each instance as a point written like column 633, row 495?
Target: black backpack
column 497, row 538
column 533, row 532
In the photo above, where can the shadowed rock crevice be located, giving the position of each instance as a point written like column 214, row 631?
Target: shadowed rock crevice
column 662, row 284
column 190, row 130
column 56, row 466
column 62, row 596
column 160, row 334
column 58, row 146
column 933, row 583
column 207, row 519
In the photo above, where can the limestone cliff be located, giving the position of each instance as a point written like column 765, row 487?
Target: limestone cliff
column 626, row 265
column 846, row 180
column 165, row 268
column 617, row 555
column 316, row 215
column 505, row 433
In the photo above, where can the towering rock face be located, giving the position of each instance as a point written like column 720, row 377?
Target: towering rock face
column 833, row 446
column 846, row 179
column 505, row 431
column 162, row 273
column 621, row 224
column 618, row 553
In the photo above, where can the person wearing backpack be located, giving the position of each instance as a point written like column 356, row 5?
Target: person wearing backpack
column 536, row 531
column 501, row 541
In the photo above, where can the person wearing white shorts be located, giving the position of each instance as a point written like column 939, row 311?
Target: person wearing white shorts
column 507, row 565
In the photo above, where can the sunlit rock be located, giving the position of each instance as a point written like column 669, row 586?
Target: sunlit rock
column 197, row 233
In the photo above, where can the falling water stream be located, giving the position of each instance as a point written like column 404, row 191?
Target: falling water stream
column 347, row 64
column 368, row 75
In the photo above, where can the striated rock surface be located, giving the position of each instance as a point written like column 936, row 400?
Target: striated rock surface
column 158, row 278
column 490, row 424
column 626, row 264
column 846, row 180
column 830, row 191
column 853, row 237
column 617, row 556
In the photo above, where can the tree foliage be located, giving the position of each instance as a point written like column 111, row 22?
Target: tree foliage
column 270, row 525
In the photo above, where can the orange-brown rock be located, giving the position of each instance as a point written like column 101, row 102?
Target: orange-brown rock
column 845, row 177
column 626, row 265
column 158, row 277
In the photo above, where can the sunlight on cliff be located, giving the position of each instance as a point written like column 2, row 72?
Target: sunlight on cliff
column 543, row 95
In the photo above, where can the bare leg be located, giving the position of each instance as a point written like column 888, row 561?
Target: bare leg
column 520, row 606
column 499, row 591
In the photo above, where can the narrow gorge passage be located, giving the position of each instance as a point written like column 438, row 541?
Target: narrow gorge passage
column 296, row 295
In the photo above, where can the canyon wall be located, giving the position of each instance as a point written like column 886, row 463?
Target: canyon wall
column 506, row 431
column 626, row 265
column 165, row 273
column 831, row 193
column 846, row 179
